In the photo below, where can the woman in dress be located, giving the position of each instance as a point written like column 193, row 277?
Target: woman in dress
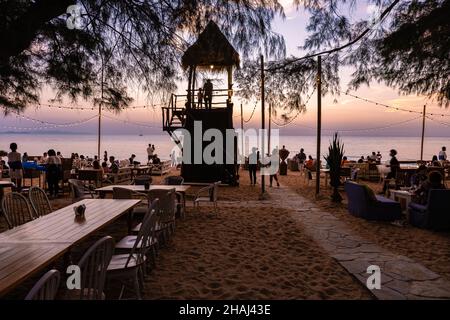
column 15, row 166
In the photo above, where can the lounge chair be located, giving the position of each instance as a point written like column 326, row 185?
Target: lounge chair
column 435, row 215
column 363, row 204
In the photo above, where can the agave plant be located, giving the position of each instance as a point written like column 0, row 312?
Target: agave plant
column 334, row 161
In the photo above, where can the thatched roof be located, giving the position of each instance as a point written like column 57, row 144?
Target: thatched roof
column 211, row 48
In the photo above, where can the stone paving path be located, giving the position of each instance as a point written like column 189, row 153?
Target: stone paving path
column 401, row 277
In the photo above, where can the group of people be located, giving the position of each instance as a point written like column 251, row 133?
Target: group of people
column 50, row 159
column 254, row 161
column 375, row 157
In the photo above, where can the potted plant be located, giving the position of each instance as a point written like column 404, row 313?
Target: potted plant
column 334, row 161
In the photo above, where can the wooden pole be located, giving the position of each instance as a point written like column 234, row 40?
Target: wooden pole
column 270, row 128
column 423, row 131
column 100, row 117
column 242, row 133
column 319, row 121
column 263, row 125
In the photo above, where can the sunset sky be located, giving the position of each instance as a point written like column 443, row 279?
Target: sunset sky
column 345, row 114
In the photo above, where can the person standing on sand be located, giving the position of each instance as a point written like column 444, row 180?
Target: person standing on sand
column 150, row 151
column 53, row 167
column 274, row 157
column 208, row 89
column 395, row 166
column 253, row 159
column 15, row 166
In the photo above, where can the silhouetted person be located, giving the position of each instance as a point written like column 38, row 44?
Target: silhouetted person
column 208, row 89
column 53, row 164
column 443, row 154
column 114, row 167
column 395, row 166
column 434, row 181
column 200, row 98
column 253, row 159
column 15, row 166
column 274, row 157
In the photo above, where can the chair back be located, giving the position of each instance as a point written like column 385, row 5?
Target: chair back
column 145, row 235
column 167, row 203
column 122, row 193
column 94, row 265
column 173, row 180
column 142, row 180
column 16, row 209
column 438, row 208
column 46, row 287
column 76, row 188
column 215, row 191
column 357, row 198
column 39, row 202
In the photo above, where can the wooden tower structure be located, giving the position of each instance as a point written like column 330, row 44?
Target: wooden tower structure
column 212, row 52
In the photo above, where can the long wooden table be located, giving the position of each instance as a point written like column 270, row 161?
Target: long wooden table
column 138, row 188
column 33, row 246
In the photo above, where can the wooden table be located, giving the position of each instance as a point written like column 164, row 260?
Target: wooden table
column 18, row 261
column 138, row 188
column 403, row 197
column 32, row 246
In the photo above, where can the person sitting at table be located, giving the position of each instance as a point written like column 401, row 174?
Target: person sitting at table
column 344, row 161
column 105, row 167
column 53, row 173
column 114, row 167
column 373, row 157
column 379, row 157
column 435, row 162
column 361, row 160
column 434, row 181
column 420, row 176
column 25, row 157
column 156, row 160
column 3, row 165
column 395, row 166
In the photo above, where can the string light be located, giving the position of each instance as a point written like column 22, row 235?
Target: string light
column 391, row 107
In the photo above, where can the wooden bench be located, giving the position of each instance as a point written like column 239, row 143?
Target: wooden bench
column 161, row 168
column 123, row 175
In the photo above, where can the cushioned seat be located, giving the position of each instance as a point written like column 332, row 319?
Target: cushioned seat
column 367, row 206
column 435, row 215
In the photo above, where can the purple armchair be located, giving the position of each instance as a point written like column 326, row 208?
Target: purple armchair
column 360, row 204
column 435, row 215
